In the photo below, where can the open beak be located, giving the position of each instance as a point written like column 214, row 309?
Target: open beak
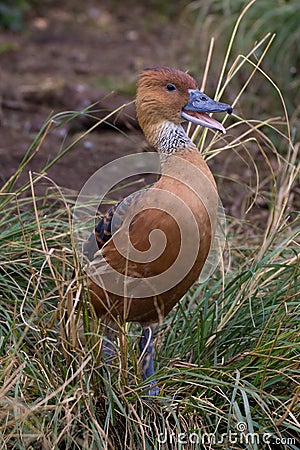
column 198, row 107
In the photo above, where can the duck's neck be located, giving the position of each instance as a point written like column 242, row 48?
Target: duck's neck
column 168, row 138
column 171, row 141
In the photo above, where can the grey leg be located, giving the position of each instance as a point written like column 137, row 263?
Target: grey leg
column 108, row 349
column 147, row 352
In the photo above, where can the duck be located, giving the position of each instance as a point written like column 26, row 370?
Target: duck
column 150, row 248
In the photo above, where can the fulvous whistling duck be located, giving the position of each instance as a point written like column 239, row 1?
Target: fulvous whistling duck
column 181, row 208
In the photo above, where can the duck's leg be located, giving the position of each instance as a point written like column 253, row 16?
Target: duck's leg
column 147, row 353
column 108, row 352
column 108, row 349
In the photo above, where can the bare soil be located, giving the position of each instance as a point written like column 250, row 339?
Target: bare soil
column 66, row 58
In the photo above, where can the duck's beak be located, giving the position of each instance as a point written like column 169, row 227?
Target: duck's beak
column 198, row 107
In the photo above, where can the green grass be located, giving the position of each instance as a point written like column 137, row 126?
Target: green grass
column 280, row 18
column 227, row 355
column 11, row 13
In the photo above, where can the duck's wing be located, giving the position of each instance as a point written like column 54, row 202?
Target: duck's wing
column 108, row 225
column 100, row 235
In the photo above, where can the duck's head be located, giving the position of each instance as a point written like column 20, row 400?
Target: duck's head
column 169, row 95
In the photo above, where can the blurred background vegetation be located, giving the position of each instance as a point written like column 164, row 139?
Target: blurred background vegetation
column 11, row 13
column 279, row 17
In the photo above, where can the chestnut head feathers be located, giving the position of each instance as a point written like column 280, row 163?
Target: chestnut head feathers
column 169, row 95
column 161, row 94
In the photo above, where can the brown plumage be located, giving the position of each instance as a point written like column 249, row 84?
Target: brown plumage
column 165, row 98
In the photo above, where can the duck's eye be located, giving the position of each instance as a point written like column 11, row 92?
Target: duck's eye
column 171, row 87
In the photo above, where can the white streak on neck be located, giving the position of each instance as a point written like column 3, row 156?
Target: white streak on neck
column 172, row 138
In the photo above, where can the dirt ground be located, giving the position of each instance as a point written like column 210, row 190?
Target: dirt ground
column 68, row 57
column 62, row 60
